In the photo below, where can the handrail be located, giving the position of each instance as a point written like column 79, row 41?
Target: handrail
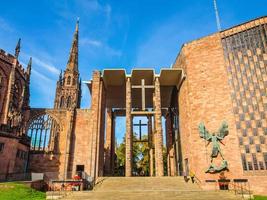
column 239, row 187
column 194, row 178
column 242, row 190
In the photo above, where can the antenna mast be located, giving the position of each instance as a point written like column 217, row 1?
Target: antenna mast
column 217, row 16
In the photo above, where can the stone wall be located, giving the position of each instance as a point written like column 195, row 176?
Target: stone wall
column 10, row 160
column 45, row 163
column 205, row 96
column 81, row 141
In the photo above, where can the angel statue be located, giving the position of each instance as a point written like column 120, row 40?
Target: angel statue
column 215, row 139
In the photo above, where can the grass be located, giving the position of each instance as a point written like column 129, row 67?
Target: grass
column 257, row 197
column 19, row 191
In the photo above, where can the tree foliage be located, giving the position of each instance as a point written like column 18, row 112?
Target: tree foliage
column 140, row 156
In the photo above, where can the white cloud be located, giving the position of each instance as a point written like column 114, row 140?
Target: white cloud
column 40, row 62
column 48, row 66
column 105, row 48
column 94, row 5
column 71, row 10
column 4, row 25
column 86, row 41
column 40, row 75
column 42, row 90
column 112, row 52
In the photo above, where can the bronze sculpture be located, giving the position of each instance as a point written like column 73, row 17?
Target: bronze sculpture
column 215, row 139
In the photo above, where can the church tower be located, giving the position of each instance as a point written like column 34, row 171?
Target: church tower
column 68, row 91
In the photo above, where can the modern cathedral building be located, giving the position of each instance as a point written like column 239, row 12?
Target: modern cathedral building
column 213, row 101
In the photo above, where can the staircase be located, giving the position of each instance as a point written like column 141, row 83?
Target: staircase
column 148, row 188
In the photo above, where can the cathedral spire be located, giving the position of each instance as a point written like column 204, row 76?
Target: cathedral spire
column 17, row 50
column 68, row 91
column 73, row 57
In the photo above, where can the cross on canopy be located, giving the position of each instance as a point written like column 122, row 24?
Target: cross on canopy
column 140, row 128
column 143, row 87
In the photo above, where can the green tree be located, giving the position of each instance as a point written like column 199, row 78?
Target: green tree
column 140, row 157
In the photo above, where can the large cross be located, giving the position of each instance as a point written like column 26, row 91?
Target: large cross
column 143, row 87
column 140, row 128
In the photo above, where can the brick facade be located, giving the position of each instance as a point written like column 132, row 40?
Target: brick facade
column 217, row 88
column 14, row 105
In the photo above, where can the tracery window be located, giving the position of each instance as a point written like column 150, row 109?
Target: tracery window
column 16, row 97
column 1, row 81
column 44, row 132
column 68, row 80
column 61, row 104
column 69, row 102
column 2, row 88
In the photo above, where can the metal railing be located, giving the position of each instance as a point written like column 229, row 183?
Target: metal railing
column 238, row 186
column 242, row 187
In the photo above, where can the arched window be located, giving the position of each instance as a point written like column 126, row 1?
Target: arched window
column 68, row 80
column 73, row 81
column 1, row 81
column 69, row 102
column 43, row 132
column 2, row 89
column 17, row 94
column 61, row 103
column 1, row 86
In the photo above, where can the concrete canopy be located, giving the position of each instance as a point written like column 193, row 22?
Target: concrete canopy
column 115, row 83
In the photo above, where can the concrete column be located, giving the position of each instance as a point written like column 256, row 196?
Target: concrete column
column 158, row 131
column 109, row 142
column 101, row 129
column 113, row 143
column 168, row 142
column 66, row 155
column 129, row 136
column 170, row 146
column 151, row 147
column 97, row 125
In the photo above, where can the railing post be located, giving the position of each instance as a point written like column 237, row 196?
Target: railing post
column 242, row 191
column 235, row 188
column 249, row 191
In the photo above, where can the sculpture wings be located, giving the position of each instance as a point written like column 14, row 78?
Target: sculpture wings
column 223, row 131
column 203, row 132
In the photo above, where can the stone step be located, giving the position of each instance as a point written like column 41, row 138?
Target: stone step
column 149, row 188
column 144, row 183
column 153, row 195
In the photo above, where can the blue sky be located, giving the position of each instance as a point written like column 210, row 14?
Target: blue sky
column 113, row 34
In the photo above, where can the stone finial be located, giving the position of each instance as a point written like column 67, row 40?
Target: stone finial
column 29, row 67
column 17, row 50
column 60, row 76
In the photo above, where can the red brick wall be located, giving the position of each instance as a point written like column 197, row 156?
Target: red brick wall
column 8, row 160
column 205, row 97
column 81, row 140
column 79, row 151
column 45, row 163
